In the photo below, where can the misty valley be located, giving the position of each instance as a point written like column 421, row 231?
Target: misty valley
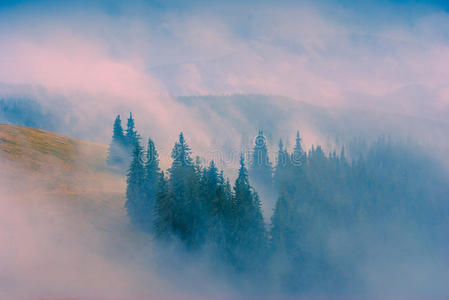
column 359, row 218
column 332, row 214
column 226, row 150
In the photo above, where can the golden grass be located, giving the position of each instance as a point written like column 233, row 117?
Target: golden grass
column 63, row 164
column 70, row 171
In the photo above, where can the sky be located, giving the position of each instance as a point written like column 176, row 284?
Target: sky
column 390, row 56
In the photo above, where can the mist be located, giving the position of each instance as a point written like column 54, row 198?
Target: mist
column 343, row 74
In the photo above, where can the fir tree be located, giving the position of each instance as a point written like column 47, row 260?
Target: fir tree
column 184, row 184
column 131, row 137
column 261, row 169
column 135, row 191
column 118, row 155
column 217, row 202
column 285, row 225
column 151, row 183
column 164, row 213
column 181, row 153
column 298, row 157
column 282, row 171
column 249, row 237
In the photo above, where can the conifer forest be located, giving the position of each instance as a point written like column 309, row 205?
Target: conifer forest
column 318, row 195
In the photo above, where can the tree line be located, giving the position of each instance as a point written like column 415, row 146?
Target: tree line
column 122, row 144
column 319, row 196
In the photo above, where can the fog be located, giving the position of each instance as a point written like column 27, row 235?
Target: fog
column 336, row 71
column 332, row 55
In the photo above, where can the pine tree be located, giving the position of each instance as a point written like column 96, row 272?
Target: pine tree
column 184, row 184
column 181, row 153
column 211, row 185
column 283, row 170
column 226, row 220
column 214, row 195
column 131, row 137
column 164, row 213
column 284, row 231
column 151, row 183
column 286, row 182
column 249, row 238
column 118, row 155
column 261, row 169
column 135, row 190
column 298, row 157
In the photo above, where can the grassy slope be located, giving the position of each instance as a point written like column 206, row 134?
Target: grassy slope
column 69, row 165
column 60, row 202
column 69, row 174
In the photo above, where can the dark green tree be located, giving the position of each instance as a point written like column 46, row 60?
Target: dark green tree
column 118, row 154
column 249, row 236
column 185, row 188
column 135, row 191
column 131, row 137
column 298, row 157
column 217, row 197
column 261, row 169
column 283, row 170
column 164, row 210
column 152, row 174
column 284, row 216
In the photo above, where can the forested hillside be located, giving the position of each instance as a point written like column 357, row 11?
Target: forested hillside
column 334, row 213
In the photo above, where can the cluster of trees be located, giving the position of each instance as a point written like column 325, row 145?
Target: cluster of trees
column 122, row 144
column 197, row 206
column 389, row 189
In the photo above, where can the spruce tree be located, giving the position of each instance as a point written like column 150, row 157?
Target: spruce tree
column 283, row 170
column 131, row 137
column 261, row 169
column 181, row 153
column 164, row 210
column 184, row 184
column 151, row 183
column 298, row 157
column 224, row 214
column 118, row 155
column 249, row 237
column 217, row 202
column 285, row 225
column 135, row 190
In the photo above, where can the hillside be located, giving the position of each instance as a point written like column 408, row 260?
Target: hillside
column 70, row 165
column 57, row 197
column 59, row 168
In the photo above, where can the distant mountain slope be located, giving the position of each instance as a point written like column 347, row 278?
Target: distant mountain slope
column 227, row 124
column 26, row 112
column 280, row 117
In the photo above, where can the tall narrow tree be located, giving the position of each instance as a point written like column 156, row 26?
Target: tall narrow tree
column 282, row 171
column 151, row 183
column 249, row 237
column 118, row 155
column 135, row 191
column 261, row 169
column 185, row 189
column 131, row 137
column 164, row 213
column 216, row 202
column 298, row 157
